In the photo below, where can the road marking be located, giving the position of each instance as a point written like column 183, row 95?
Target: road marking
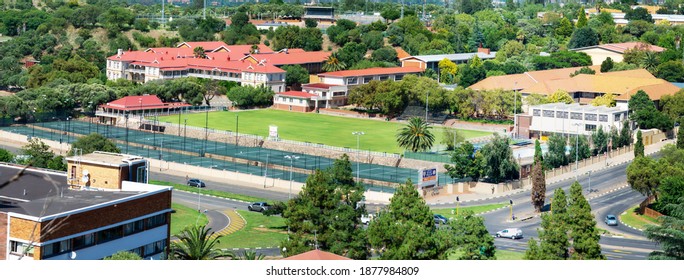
column 622, row 252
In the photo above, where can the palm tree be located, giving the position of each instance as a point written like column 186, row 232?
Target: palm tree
column 249, row 255
column 199, row 52
column 650, row 61
column 333, row 63
column 416, row 135
column 196, row 243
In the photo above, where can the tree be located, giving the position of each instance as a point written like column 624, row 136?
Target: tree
column 472, row 237
column 451, row 137
column 638, row 13
column 352, row 53
column 447, row 71
column 639, row 146
column 643, row 175
column 607, row 65
column 584, row 70
column 123, row 256
column 625, row 134
column 499, row 164
column 390, row 14
column 39, row 155
column 553, row 235
column 600, row 140
column 373, row 40
column 538, row 193
column 564, row 28
column 199, row 52
column 669, row 234
column 310, row 23
column 538, row 156
column 93, row 142
column 583, row 232
column 580, row 149
column 328, row 212
column 296, row 76
column 560, row 96
column 671, row 71
column 386, row 54
column 196, row 243
column 333, row 63
column 555, row 157
column 583, row 37
column 405, row 230
column 6, row 156
column 607, row 100
column 415, row 136
column 680, row 138
column 643, row 111
column 467, row 162
column 581, row 19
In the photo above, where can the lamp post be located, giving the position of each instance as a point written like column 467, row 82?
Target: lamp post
column 141, row 109
column 289, row 195
column 206, row 131
column 427, row 94
column 515, row 108
column 577, row 149
column 185, row 133
column 358, row 169
column 126, row 117
column 180, row 112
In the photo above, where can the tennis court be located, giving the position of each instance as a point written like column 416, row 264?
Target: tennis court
column 211, row 154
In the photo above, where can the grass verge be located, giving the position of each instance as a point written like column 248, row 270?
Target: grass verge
column 310, row 127
column 185, row 216
column 259, row 231
column 216, row 193
column 446, row 212
column 633, row 219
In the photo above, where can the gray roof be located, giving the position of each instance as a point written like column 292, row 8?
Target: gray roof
column 578, row 108
column 452, row 57
column 36, row 188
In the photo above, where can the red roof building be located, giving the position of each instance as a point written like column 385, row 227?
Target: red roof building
column 615, row 51
column 137, row 105
column 317, row 255
column 238, row 63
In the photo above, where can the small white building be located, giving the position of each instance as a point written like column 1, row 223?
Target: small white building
column 569, row 119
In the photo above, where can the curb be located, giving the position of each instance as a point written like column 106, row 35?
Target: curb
column 641, row 230
column 209, row 195
column 257, row 248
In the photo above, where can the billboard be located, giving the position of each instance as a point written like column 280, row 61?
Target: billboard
column 427, row 177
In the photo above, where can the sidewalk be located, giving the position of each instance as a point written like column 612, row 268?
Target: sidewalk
column 616, row 160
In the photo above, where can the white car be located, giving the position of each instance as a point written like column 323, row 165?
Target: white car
column 365, row 219
column 512, row 233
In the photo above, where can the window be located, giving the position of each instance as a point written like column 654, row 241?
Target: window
column 154, row 248
column 576, row 116
column 548, row 113
column 109, row 234
column 536, row 112
column 398, row 77
column 603, row 118
column 367, row 79
column 84, row 241
column 73, row 172
column 132, row 228
column 19, row 248
column 156, row 221
column 590, row 117
column 590, row 127
column 382, row 78
column 561, row 115
column 352, row 81
column 617, row 117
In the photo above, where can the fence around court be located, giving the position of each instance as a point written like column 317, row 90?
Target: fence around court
column 221, row 155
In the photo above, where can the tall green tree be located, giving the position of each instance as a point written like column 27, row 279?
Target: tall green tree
column 680, row 138
column 538, row 155
column 669, row 234
column 123, row 255
column 583, row 232
column 405, row 230
column 415, row 136
column 472, row 238
column 580, row 150
column 556, row 157
column 600, row 139
column 581, row 18
column 296, row 76
column 607, row 65
column 197, row 243
column 333, row 63
column 40, row 155
column 327, row 212
column 625, row 134
column 498, row 161
column 644, row 175
column 93, row 142
column 466, row 162
column 538, row 193
column 639, row 146
column 553, row 234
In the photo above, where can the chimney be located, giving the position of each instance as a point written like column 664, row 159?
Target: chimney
column 119, row 52
column 483, row 50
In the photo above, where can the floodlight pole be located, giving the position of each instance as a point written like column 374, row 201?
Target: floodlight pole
column 358, row 159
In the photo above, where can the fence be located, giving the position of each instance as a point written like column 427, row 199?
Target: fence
column 434, row 157
column 645, row 210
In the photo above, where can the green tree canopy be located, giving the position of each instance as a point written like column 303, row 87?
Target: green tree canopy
column 93, row 142
column 416, row 135
column 197, row 243
column 472, row 238
column 499, row 164
column 123, row 256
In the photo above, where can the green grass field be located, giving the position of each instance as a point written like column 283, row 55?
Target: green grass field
column 631, row 218
column 185, row 216
column 500, row 255
column 187, row 188
column 259, row 231
column 310, row 127
column 446, row 212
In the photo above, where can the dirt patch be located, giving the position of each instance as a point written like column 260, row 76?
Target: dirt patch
column 267, row 229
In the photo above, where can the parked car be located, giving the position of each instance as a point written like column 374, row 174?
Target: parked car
column 258, row 206
column 196, row 183
column 512, row 233
column 611, row 220
column 365, row 219
column 439, row 219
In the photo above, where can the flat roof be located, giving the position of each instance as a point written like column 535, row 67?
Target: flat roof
column 453, row 56
column 36, row 189
column 103, row 158
column 577, row 107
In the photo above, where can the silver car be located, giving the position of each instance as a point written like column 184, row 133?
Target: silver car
column 611, row 220
column 512, row 233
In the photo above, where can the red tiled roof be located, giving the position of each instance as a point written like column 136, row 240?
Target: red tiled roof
column 320, row 85
column 291, row 58
column 145, row 102
column 207, row 46
column 297, row 94
column 372, row 71
column 316, row 255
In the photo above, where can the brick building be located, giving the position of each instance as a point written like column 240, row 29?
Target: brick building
column 44, row 217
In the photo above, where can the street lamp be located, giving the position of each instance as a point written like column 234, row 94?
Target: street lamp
column 515, row 108
column 427, row 94
column 358, row 159
column 577, row 148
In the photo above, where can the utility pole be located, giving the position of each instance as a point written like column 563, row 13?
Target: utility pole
column 402, row 9
column 163, row 12
column 204, row 11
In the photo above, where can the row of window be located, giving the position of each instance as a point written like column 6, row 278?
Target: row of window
column 355, row 80
column 573, row 115
column 150, row 249
column 93, row 238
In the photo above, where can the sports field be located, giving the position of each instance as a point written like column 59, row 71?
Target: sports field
column 310, row 127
